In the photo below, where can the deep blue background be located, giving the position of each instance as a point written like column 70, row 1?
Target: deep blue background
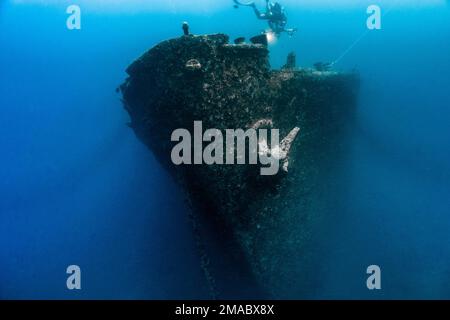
column 77, row 187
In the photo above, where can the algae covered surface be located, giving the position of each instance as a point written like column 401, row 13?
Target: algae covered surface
column 204, row 78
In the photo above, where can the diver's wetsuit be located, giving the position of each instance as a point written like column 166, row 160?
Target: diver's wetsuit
column 275, row 15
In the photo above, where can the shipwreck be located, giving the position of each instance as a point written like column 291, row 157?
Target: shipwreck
column 266, row 221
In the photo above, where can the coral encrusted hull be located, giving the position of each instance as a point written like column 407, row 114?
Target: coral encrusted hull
column 229, row 86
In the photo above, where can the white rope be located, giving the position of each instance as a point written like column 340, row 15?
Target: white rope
column 362, row 36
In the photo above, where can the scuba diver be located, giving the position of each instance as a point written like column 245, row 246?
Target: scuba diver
column 274, row 15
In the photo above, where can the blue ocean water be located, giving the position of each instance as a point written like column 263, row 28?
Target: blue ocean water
column 77, row 187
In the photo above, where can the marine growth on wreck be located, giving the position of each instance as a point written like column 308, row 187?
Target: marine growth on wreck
column 189, row 79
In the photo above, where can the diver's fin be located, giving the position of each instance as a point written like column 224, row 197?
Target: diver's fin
column 242, row 3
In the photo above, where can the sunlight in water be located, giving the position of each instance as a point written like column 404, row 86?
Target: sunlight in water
column 207, row 6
